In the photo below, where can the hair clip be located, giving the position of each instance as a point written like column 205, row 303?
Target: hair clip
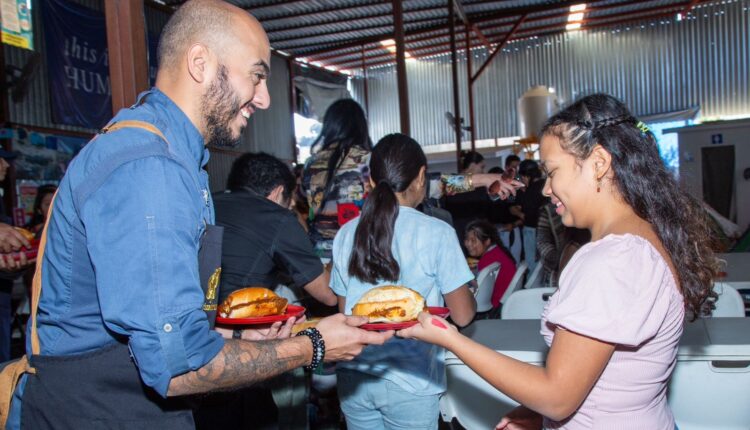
column 642, row 127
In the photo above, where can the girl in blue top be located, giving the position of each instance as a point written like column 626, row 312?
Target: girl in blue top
column 397, row 385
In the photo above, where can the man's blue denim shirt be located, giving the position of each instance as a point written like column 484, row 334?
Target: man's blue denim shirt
column 140, row 225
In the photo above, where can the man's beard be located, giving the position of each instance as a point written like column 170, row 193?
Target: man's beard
column 221, row 106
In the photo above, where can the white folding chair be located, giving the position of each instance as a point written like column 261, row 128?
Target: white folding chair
column 516, row 283
column 729, row 303
column 526, row 304
column 485, row 284
column 471, row 400
column 535, row 278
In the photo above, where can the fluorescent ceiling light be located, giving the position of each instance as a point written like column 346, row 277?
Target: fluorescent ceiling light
column 331, row 68
column 388, row 42
column 573, row 26
column 575, row 17
column 578, row 7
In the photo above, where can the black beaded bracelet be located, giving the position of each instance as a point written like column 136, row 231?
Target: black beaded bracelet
column 319, row 346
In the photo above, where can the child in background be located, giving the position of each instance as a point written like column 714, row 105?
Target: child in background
column 482, row 242
column 398, row 385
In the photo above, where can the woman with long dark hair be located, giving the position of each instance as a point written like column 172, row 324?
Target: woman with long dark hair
column 483, row 242
column 397, row 385
column 615, row 322
column 335, row 177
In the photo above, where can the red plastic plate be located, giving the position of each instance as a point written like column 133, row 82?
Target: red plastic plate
column 434, row 310
column 291, row 311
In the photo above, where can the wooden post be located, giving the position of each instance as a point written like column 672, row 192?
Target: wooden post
column 292, row 107
column 470, row 83
column 126, row 40
column 364, row 76
column 454, row 76
column 403, row 87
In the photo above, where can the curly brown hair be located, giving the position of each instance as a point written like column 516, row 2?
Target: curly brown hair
column 647, row 186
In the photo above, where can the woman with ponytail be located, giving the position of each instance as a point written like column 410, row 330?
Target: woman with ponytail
column 615, row 322
column 397, row 385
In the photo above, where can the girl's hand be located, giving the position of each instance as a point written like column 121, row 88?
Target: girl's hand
column 431, row 329
column 520, row 418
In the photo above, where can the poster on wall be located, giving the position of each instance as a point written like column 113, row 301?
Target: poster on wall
column 42, row 157
column 16, row 23
column 78, row 64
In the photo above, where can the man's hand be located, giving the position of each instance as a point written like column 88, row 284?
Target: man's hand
column 344, row 340
column 14, row 261
column 11, row 239
column 277, row 330
column 497, row 184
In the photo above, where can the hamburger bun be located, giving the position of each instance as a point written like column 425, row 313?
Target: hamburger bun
column 390, row 303
column 252, row 302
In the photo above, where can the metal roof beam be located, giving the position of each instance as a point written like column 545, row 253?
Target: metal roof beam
column 506, row 13
column 342, row 30
column 594, row 22
column 489, row 22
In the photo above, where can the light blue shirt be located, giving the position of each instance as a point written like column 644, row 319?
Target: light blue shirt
column 432, row 264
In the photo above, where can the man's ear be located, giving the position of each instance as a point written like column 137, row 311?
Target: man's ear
column 276, row 195
column 198, row 59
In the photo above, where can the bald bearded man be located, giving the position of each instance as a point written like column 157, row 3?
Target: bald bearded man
column 122, row 321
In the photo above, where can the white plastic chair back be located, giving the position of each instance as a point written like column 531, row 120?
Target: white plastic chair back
column 729, row 303
column 473, row 402
column 485, row 285
column 516, row 283
column 535, row 278
column 527, row 304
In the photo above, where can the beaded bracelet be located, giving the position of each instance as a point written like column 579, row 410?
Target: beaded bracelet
column 319, row 346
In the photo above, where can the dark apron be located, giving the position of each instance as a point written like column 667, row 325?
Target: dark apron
column 102, row 389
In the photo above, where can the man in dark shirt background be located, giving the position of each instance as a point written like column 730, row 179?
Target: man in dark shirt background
column 262, row 238
column 264, row 245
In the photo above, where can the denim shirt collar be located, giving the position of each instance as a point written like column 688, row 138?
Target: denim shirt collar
column 183, row 136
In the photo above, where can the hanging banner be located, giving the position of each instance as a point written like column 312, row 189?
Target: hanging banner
column 78, row 65
column 16, row 23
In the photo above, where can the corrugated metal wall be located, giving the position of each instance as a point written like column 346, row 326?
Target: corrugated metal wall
column 654, row 66
column 269, row 131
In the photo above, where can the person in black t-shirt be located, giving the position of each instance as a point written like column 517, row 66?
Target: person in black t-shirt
column 263, row 243
column 262, row 238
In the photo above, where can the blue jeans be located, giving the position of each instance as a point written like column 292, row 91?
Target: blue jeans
column 529, row 247
column 372, row 403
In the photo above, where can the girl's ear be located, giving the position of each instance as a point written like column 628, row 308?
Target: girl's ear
column 602, row 160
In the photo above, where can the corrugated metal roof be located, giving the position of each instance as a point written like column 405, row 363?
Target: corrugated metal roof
column 332, row 31
column 655, row 66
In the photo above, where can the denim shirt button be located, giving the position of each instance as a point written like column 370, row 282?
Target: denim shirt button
column 167, row 327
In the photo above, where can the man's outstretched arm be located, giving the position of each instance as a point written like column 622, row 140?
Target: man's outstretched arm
column 242, row 363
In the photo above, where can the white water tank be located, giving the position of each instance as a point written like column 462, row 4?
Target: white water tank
column 535, row 106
